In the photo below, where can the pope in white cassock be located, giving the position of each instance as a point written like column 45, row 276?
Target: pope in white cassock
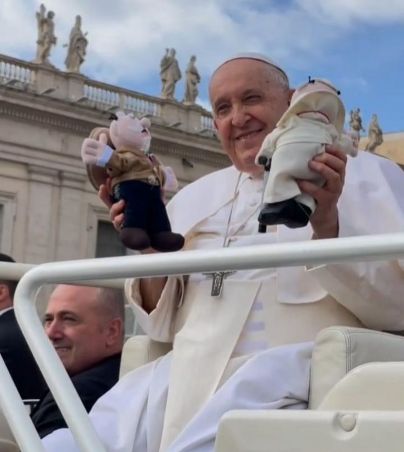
column 250, row 347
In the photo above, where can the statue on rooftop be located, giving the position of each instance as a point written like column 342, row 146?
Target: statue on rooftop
column 355, row 122
column 46, row 35
column 169, row 73
column 375, row 134
column 192, row 81
column 77, row 47
column 355, row 125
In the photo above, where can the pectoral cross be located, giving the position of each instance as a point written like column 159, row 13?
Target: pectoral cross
column 217, row 282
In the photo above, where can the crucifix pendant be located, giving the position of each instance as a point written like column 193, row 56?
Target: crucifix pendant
column 217, row 282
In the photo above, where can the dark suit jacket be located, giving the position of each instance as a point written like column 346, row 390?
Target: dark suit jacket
column 90, row 386
column 19, row 360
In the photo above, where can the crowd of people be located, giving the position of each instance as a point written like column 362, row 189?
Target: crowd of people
column 251, row 348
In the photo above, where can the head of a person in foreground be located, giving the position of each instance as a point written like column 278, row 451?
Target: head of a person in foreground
column 85, row 325
column 248, row 94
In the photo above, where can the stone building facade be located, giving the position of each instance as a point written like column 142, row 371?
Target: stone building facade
column 391, row 148
column 48, row 209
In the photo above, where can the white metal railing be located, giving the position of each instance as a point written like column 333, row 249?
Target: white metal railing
column 366, row 248
column 15, row 271
column 17, row 414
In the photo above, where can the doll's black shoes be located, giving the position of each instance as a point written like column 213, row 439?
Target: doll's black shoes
column 290, row 212
column 135, row 238
column 139, row 239
column 166, row 241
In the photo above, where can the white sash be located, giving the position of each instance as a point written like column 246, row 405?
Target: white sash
column 202, row 348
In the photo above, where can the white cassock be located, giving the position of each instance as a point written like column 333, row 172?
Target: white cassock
column 290, row 148
column 251, row 347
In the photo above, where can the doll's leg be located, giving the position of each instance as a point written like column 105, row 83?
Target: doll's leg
column 133, row 233
column 282, row 204
column 161, row 236
column 290, row 212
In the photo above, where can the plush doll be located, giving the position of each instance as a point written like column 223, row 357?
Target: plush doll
column 314, row 118
column 121, row 154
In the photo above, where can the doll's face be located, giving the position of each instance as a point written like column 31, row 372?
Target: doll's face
column 130, row 133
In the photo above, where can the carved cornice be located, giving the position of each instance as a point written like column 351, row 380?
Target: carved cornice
column 45, row 118
column 79, row 120
column 73, row 180
column 194, row 153
column 43, row 174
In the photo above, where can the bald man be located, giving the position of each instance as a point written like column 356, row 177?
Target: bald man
column 86, row 327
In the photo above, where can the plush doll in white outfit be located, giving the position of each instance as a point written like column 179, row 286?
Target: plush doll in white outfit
column 314, row 118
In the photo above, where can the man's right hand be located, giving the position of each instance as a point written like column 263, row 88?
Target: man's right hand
column 115, row 209
column 150, row 288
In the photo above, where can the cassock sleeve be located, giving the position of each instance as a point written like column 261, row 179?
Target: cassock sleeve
column 159, row 325
column 372, row 203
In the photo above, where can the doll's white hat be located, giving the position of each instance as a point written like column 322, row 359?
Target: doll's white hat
column 317, row 95
column 253, row 56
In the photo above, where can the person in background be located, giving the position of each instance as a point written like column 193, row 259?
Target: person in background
column 14, row 349
column 86, row 328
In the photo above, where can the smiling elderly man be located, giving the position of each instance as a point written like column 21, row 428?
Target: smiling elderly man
column 249, row 345
column 86, row 327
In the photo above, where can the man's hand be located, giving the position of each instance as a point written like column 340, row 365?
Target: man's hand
column 150, row 288
column 115, row 209
column 331, row 165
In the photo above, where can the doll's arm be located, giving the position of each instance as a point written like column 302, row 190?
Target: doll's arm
column 268, row 148
column 94, row 152
column 170, row 179
column 347, row 145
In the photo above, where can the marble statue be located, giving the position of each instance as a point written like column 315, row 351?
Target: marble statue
column 192, row 80
column 77, row 48
column 355, row 125
column 169, row 73
column 46, row 35
column 375, row 134
column 355, row 122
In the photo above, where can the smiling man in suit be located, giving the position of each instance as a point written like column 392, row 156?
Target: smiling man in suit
column 86, row 327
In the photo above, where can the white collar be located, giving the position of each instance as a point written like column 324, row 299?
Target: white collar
column 3, row 311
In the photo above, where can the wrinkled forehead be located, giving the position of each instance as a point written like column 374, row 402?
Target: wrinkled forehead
column 73, row 297
column 236, row 76
column 255, row 56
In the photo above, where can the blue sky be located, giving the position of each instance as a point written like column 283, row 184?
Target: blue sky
column 357, row 44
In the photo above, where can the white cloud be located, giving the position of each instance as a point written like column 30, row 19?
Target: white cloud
column 127, row 37
column 349, row 12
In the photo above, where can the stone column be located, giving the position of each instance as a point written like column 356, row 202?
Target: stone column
column 40, row 221
column 62, row 85
column 71, row 219
column 186, row 118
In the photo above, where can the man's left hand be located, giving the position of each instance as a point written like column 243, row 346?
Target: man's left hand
column 331, row 165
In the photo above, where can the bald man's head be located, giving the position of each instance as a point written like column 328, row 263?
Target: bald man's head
column 85, row 325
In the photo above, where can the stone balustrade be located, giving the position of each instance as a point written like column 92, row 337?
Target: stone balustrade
column 110, row 97
column 15, row 72
column 76, row 88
